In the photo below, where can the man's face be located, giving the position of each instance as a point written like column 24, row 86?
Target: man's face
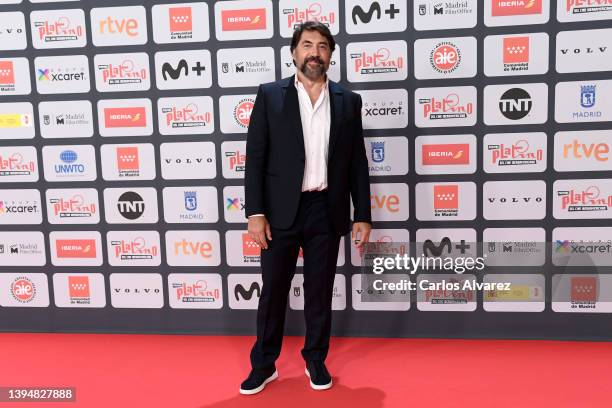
column 312, row 55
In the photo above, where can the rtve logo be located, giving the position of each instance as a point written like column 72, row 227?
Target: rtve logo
column 118, row 26
column 190, row 248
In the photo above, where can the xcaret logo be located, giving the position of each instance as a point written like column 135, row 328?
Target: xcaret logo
column 449, row 107
column 445, row 57
column 515, row 7
column 518, row 153
column 314, row 12
column 515, row 103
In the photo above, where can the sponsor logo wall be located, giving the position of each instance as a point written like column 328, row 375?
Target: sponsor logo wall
column 122, row 158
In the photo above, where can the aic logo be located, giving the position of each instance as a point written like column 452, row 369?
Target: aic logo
column 515, row 103
column 515, row 7
column 131, row 205
column 242, row 112
column 445, row 57
column 23, row 289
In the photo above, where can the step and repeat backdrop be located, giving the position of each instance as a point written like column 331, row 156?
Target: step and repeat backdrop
column 122, row 156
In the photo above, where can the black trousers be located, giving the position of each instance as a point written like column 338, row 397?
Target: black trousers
column 313, row 231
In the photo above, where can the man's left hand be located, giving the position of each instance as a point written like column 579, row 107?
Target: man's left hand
column 361, row 232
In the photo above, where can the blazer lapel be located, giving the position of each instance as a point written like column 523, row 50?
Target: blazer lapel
column 336, row 109
column 291, row 111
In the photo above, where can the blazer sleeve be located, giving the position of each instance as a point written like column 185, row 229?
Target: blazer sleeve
column 359, row 174
column 256, row 156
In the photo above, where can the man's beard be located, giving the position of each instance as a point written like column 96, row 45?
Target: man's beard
column 313, row 73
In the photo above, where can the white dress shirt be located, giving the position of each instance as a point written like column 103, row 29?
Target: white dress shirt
column 315, row 126
column 316, row 122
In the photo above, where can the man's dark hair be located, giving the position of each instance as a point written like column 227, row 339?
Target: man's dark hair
column 312, row 26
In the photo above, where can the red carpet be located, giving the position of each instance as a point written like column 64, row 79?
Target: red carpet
column 201, row 371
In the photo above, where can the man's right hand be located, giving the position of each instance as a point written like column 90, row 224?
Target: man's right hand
column 259, row 230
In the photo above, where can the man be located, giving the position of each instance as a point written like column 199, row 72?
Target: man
column 305, row 159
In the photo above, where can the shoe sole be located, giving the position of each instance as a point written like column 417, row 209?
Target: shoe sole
column 273, row 377
column 318, row 387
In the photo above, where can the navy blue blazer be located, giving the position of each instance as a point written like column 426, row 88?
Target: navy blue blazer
column 275, row 157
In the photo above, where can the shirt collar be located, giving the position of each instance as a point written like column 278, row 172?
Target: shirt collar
column 297, row 83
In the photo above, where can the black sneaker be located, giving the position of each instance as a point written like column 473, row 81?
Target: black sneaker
column 257, row 380
column 318, row 374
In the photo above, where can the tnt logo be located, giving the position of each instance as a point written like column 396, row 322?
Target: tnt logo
column 180, row 19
